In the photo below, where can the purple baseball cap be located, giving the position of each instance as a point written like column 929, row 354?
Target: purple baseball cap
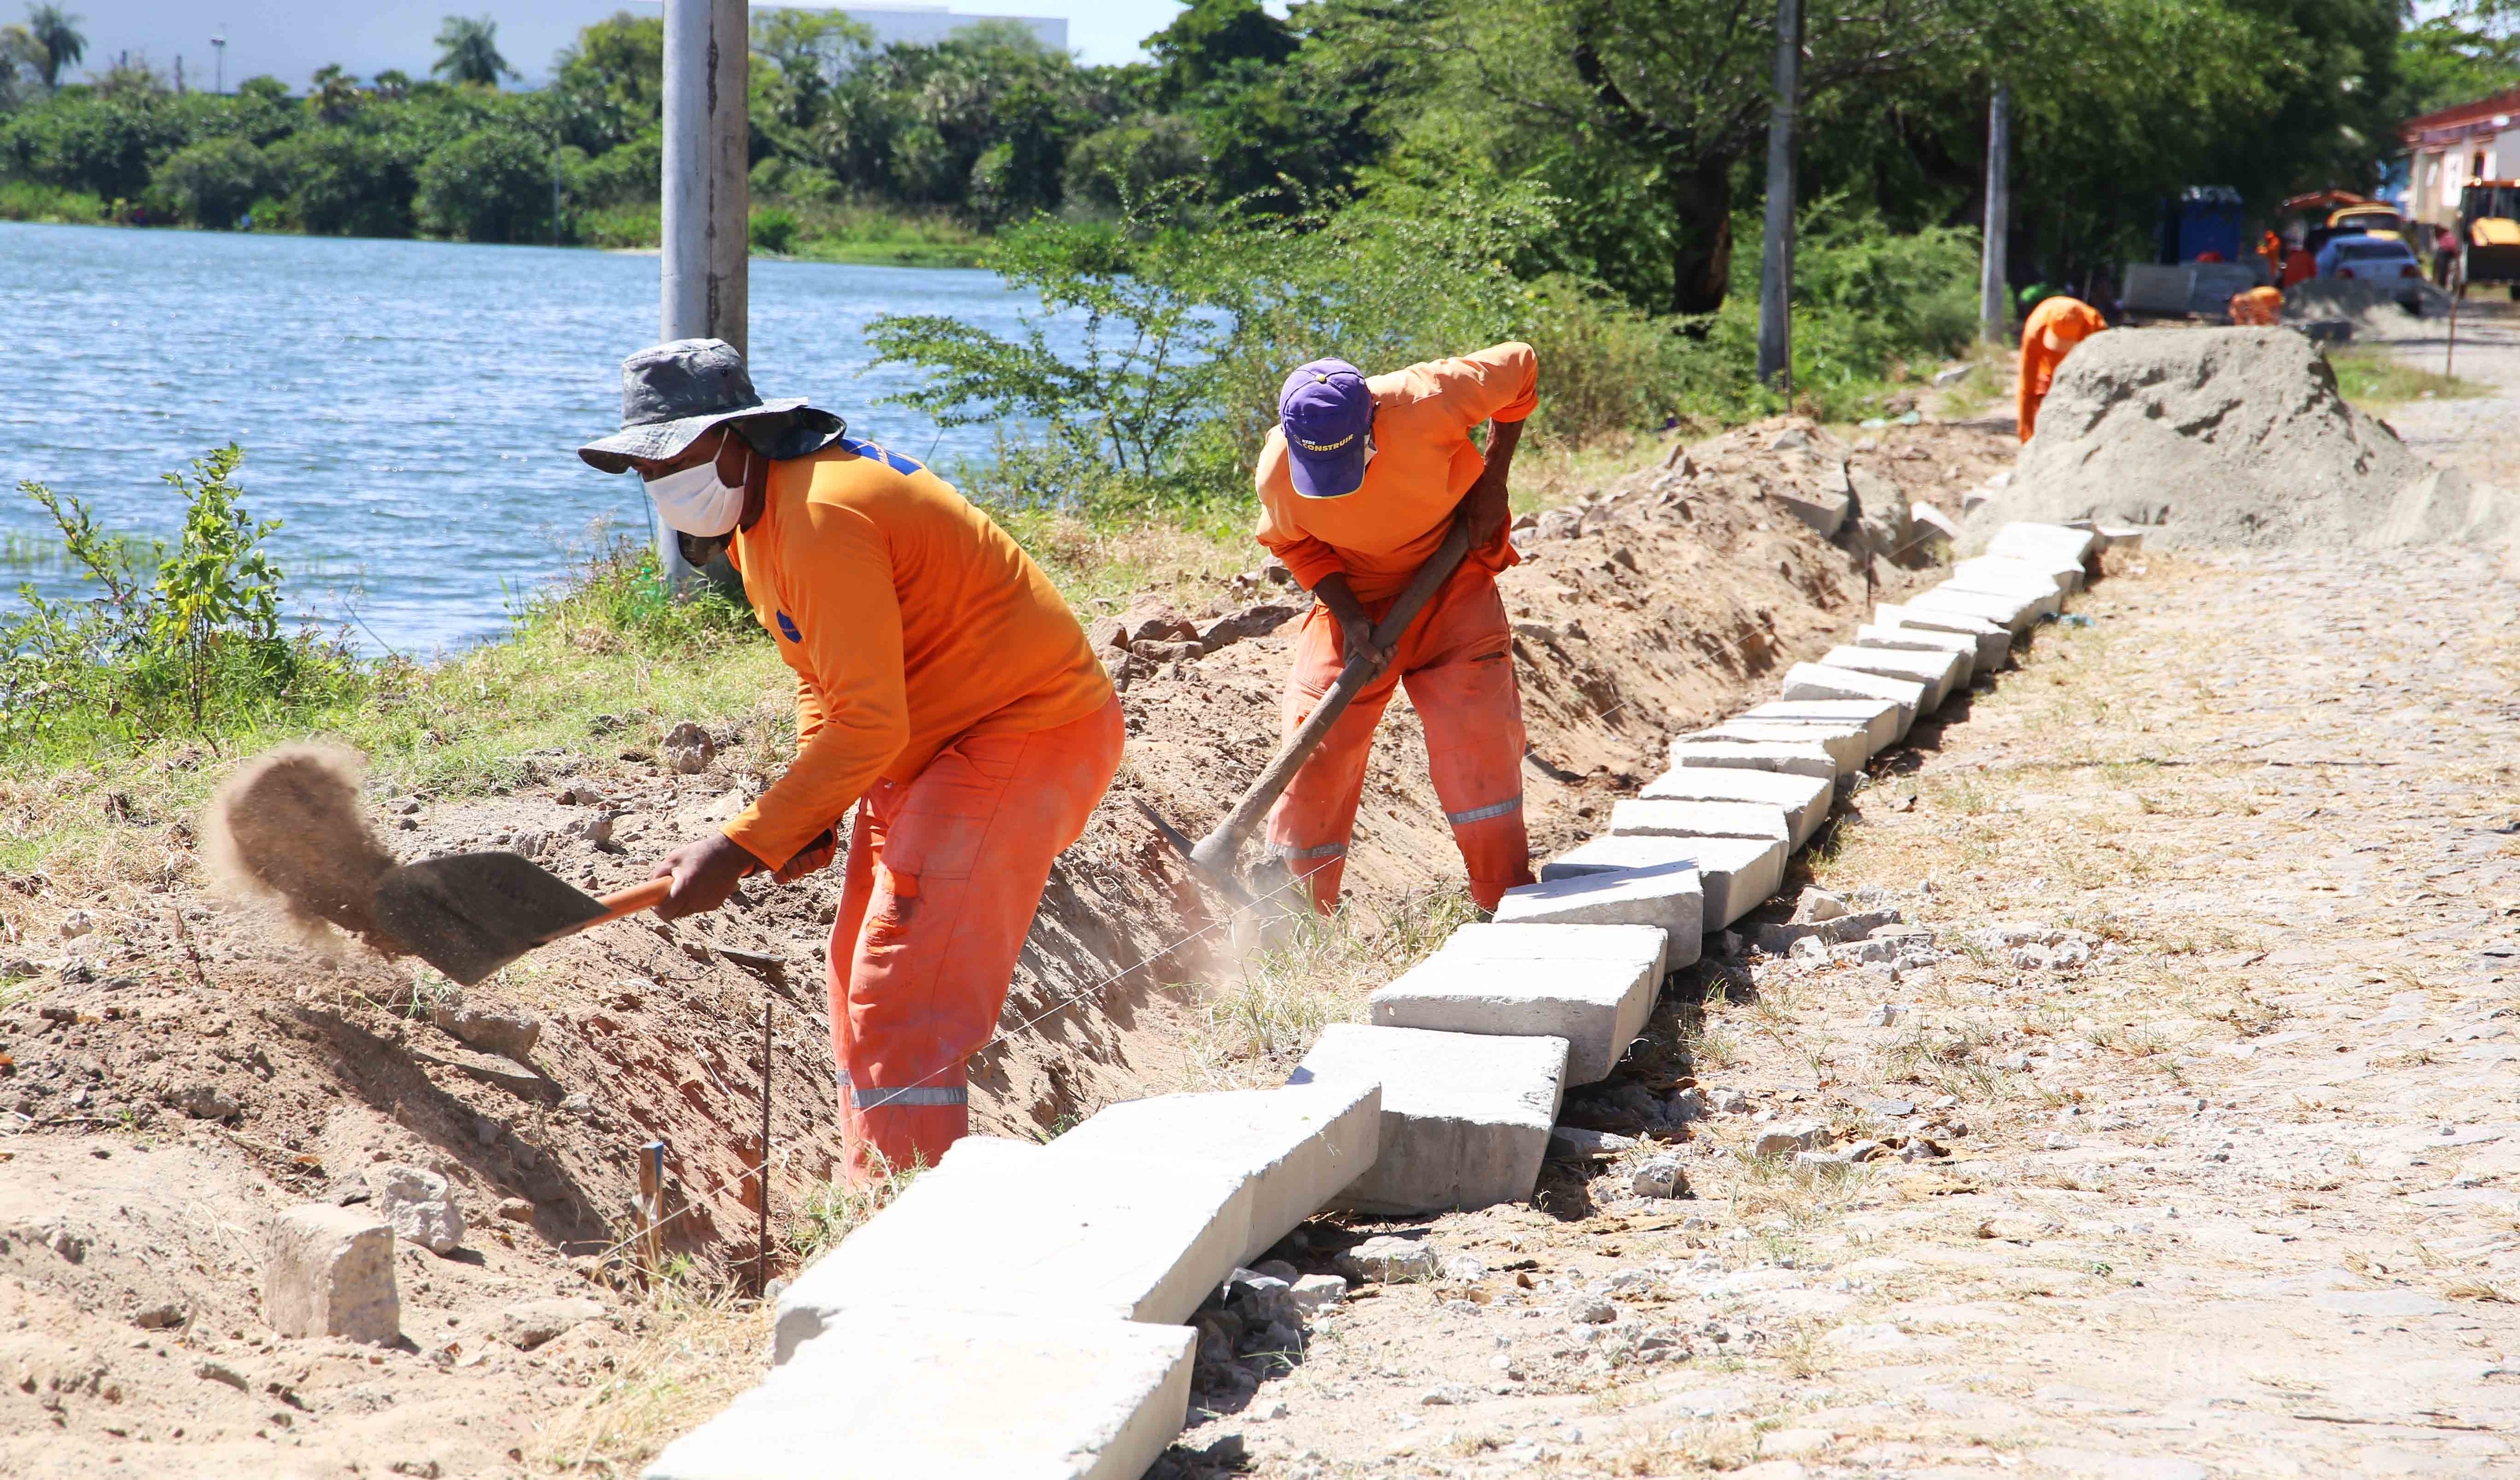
column 1326, row 410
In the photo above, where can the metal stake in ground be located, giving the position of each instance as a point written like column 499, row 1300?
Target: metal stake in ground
column 761, row 1249
column 652, row 1207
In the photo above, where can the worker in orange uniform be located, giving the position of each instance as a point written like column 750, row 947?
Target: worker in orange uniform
column 1359, row 483
column 2260, row 307
column 2047, row 335
column 943, row 689
column 2271, row 252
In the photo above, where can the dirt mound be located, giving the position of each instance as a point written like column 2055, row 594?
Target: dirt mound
column 2232, row 437
column 287, row 828
column 2358, row 298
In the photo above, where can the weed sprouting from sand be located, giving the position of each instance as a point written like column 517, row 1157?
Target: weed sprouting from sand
column 835, row 1209
column 699, row 1347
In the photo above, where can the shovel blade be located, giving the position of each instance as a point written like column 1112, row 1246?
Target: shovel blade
column 473, row 913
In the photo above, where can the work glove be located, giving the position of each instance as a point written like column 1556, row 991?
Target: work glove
column 815, row 855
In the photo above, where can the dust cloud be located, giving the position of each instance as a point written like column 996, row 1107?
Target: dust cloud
column 286, row 827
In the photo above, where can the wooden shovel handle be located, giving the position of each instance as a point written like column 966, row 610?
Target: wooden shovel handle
column 630, row 901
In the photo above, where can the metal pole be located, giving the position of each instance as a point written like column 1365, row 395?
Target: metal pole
column 761, row 1245
column 1776, row 254
column 1994, row 293
column 652, row 1207
column 705, row 192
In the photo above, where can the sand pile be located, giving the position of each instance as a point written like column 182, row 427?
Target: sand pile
column 287, row 828
column 2232, row 437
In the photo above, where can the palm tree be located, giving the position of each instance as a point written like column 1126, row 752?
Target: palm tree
column 468, row 50
column 57, row 38
column 334, row 95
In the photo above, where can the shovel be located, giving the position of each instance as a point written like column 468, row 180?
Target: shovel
column 1213, row 858
column 472, row 913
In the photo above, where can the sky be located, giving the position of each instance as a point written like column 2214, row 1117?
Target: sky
column 289, row 39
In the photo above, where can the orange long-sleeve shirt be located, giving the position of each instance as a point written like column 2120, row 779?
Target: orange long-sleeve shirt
column 2072, row 320
column 1424, row 462
column 910, row 618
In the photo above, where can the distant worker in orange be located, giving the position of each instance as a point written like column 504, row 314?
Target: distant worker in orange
column 943, row 689
column 2271, row 252
column 2259, row 308
column 1359, row 483
column 2047, row 335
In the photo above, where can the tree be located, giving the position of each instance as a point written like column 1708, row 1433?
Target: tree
column 491, row 185
column 610, row 84
column 58, row 40
column 335, row 97
column 212, row 183
column 392, row 85
column 467, row 52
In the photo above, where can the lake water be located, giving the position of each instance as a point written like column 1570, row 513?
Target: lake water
column 409, row 410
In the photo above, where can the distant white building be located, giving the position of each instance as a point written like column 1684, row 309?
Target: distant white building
column 927, row 24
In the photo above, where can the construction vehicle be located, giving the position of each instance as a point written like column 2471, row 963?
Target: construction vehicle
column 2488, row 236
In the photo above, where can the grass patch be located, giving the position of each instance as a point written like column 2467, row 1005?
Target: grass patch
column 33, row 200
column 2373, row 379
column 698, row 1350
column 1309, row 971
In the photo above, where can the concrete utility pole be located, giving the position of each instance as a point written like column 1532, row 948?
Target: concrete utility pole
column 1776, row 253
column 708, row 196
column 1994, row 287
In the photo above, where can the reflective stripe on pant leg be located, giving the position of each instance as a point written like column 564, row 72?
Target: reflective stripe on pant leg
column 1311, row 821
column 1471, row 707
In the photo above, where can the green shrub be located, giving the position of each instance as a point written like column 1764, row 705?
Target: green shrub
column 341, row 182
column 211, row 183
column 491, row 185
column 198, row 647
column 773, row 229
column 622, row 227
column 34, row 200
column 1132, row 161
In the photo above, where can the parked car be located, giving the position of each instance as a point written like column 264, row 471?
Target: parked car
column 2387, row 260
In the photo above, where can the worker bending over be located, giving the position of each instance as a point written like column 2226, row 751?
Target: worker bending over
column 943, row 689
column 1359, row 483
column 2047, row 335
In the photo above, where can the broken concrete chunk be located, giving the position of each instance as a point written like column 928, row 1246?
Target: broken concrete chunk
column 1735, row 874
column 1385, row 1259
column 1792, row 757
column 1661, row 889
column 1465, row 1116
column 1597, row 1003
column 1659, row 1178
column 1127, row 1238
column 914, row 1392
column 1316, row 1293
column 1660, row 817
column 1298, row 1145
column 1939, row 672
column 1576, row 1143
column 1847, row 742
column 1825, row 511
column 420, row 1205
column 1804, row 799
column 329, row 1272
column 1822, row 680
column 1880, row 719
column 2015, row 614
column 1788, row 1136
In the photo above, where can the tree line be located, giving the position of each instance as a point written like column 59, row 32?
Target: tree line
column 1641, row 119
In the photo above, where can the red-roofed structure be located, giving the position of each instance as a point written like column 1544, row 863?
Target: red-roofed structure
column 2450, row 147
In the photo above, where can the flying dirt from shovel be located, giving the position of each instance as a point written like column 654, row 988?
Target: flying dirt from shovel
column 286, row 827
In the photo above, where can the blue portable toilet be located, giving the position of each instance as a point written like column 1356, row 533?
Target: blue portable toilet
column 2199, row 219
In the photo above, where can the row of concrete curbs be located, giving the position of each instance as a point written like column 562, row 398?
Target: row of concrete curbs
column 1019, row 1310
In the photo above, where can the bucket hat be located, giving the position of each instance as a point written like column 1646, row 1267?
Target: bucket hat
column 673, row 394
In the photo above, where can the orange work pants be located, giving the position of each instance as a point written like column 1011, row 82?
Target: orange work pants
column 944, row 874
column 1456, row 660
column 2038, row 372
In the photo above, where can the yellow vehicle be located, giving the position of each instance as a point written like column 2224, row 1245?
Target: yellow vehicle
column 2371, row 219
column 2489, row 234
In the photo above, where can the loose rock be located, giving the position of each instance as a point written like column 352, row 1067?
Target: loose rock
column 687, row 749
column 329, row 1272
column 419, row 1205
column 1386, row 1260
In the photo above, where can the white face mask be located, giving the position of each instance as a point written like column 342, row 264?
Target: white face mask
column 694, row 502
